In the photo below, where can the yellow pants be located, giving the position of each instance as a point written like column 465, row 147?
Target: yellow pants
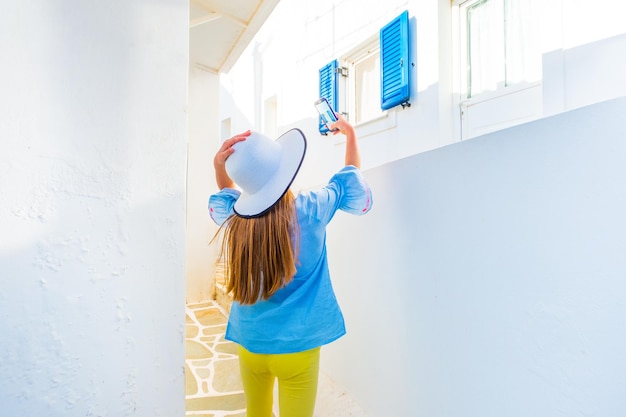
column 297, row 375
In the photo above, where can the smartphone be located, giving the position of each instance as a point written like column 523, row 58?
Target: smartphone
column 326, row 112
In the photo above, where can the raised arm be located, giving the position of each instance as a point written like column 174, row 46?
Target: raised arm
column 353, row 156
column 219, row 161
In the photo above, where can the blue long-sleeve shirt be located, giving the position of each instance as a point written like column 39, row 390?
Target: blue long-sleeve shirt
column 304, row 314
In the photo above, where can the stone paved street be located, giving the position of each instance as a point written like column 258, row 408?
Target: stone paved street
column 212, row 383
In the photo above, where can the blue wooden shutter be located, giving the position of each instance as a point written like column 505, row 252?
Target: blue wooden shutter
column 328, row 89
column 394, row 63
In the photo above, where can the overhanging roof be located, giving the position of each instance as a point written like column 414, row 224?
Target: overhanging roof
column 220, row 30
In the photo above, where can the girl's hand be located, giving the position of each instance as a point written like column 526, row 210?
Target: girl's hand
column 219, row 161
column 227, row 148
column 343, row 125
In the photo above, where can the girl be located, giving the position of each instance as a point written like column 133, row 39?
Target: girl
column 274, row 246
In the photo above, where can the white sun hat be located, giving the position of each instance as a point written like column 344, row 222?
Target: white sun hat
column 264, row 169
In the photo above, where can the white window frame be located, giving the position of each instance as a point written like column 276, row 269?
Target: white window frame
column 347, row 90
column 514, row 103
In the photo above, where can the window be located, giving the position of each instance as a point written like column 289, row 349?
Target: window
column 499, row 44
column 270, row 111
column 498, row 76
column 366, row 85
column 362, row 69
column 372, row 78
column 351, row 84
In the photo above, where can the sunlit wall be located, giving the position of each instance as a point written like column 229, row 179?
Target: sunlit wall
column 92, row 180
column 447, row 312
column 488, row 278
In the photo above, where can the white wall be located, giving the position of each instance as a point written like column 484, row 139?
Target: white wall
column 582, row 65
column 487, row 279
column 92, row 173
column 203, row 142
column 314, row 34
column 585, row 74
column 490, row 276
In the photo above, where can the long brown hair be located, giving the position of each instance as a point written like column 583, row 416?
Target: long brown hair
column 260, row 253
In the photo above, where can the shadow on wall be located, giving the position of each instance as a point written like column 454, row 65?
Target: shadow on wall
column 82, row 304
